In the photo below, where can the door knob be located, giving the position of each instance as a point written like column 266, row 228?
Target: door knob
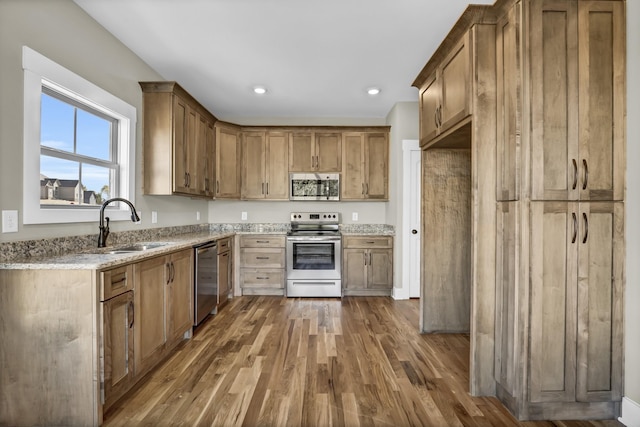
column 414, row 231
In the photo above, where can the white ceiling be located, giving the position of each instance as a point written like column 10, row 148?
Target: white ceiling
column 316, row 57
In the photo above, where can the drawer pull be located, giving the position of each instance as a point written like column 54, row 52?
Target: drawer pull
column 371, row 243
column 124, row 279
column 262, row 241
column 262, row 257
column 262, row 278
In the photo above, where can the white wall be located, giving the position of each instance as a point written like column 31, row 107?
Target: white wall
column 632, row 215
column 64, row 33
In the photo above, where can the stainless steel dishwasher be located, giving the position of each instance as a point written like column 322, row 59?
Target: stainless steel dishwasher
column 206, row 281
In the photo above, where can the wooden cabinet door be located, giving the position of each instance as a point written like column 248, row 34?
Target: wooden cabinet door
column 376, row 162
column 508, row 89
column 328, row 157
column 224, row 270
column 151, row 283
column 253, row 165
column 351, row 180
column 507, row 317
column 180, row 296
column 277, row 164
column 601, row 52
column 227, row 163
column 301, row 152
column 118, row 324
column 429, row 109
column 379, row 269
column 554, row 248
column 180, row 142
column 455, row 82
column 354, row 268
column 554, row 99
column 192, row 147
column 600, row 301
column 210, row 160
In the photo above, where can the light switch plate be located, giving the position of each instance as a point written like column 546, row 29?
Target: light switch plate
column 9, row 221
column 154, row 217
column 197, row 215
column 243, row 216
column 354, row 216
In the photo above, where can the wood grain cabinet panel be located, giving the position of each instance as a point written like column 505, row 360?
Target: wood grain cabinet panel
column 228, row 161
column 264, row 165
column 262, row 264
column 315, row 151
column 365, row 159
column 176, row 142
column 367, row 265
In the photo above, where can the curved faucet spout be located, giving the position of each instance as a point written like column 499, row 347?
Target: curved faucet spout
column 104, row 229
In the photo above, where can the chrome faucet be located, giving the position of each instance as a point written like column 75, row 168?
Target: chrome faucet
column 104, row 229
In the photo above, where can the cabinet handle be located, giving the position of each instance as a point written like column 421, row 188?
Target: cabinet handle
column 575, row 227
column 586, row 227
column 575, row 174
column 370, row 259
column 184, row 180
column 217, row 187
column 262, row 278
column 586, row 174
column 371, row 243
column 262, row 257
column 365, row 258
column 435, row 117
column 131, row 314
column 262, row 189
column 267, row 188
column 367, row 187
column 262, row 241
column 363, row 188
column 168, row 273
column 124, row 279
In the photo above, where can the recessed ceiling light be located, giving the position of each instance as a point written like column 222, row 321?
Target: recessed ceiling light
column 260, row 90
column 373, row 91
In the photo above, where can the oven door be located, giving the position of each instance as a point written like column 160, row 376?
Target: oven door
column 313, row 257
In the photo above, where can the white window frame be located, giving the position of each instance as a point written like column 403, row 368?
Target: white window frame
column 39, row 71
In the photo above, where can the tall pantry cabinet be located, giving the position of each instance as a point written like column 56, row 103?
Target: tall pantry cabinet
column 560, row 212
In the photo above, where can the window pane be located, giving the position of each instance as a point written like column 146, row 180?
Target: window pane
column 94, row 136
column 56, row 123
column 96, row 182
column 59, row 181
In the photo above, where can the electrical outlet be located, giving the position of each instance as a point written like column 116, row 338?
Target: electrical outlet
column 9, row 221
column 243, row 216
column 154, row 217
column 354, row 216
column 197, row 215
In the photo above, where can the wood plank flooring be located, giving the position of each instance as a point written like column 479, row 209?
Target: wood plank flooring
column 273, row 361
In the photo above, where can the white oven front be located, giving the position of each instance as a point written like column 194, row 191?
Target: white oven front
column 314, row 266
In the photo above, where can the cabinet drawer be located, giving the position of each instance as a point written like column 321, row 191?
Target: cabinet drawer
column 115, row 282
column 224, row 245
column 367, row 241
column 262, row 278
column 262, row 257
column 263, row 241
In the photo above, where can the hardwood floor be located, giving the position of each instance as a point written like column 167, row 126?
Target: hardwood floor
column 273, row 361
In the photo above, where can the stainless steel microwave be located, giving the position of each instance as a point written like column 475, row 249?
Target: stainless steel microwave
column 314, row 186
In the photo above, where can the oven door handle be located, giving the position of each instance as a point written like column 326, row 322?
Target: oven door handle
column 314, row 238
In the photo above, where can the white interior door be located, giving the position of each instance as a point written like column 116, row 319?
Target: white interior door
column 411, row 217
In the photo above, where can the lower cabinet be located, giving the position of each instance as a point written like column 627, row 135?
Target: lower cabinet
column 262, row 262
column 559, row 329
column 117, row 323
column 367, row 265
column 225, row 270
column 164, row 306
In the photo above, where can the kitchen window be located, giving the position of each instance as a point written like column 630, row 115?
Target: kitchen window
column 79, row 143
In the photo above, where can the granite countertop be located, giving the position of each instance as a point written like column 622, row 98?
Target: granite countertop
column 77, row 254
column 99, row 258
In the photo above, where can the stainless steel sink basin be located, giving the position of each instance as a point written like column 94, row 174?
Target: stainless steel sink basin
column 137, row 247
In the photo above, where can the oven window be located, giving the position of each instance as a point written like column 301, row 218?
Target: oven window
column 314, row 256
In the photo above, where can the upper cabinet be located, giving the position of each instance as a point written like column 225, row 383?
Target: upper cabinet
column 365, row 166
column 264, row 165
column 228, row 151
column 176, row 134
column 315, row 151
column 576, row 109
column 444, row 94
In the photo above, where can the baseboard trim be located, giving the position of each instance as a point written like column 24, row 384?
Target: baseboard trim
column 630, row 413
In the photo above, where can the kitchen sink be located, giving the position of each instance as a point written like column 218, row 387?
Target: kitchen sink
column 137, row 247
